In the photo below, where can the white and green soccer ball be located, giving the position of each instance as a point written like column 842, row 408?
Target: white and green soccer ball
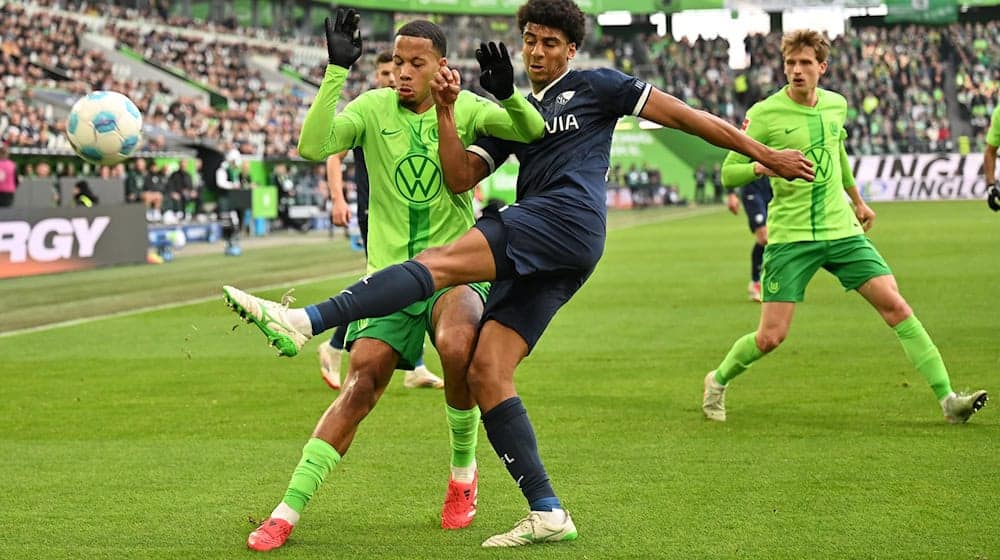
column 104, row 127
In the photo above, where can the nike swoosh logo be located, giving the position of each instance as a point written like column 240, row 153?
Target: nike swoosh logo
column 540, row 538
column 787, row 130
column 388, row 132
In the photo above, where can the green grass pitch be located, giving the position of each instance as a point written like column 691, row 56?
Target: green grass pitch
column 159, row 434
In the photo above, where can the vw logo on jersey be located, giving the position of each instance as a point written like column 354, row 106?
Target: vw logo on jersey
column 564, row 97
column 418, row 178
column 822, row 163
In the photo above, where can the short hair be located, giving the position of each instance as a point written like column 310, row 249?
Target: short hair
column 424, row 29
column 802, row 38
column 383, row 56
column 563, row 15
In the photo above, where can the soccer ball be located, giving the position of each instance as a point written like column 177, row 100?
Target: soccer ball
column 104, row 127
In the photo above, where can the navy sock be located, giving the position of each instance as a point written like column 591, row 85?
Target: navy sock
column 513, row 439
column 385, row 292
column 337, row 340
column 756, row 260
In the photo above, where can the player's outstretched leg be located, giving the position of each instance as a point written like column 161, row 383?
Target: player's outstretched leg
column 926, row 359
column 740, row 357
column 958, row 408
column 380, row 294
column 286, row 329
column 513, row 438
column 318, row 459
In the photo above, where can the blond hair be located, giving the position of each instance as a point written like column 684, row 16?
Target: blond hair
column 802, row 38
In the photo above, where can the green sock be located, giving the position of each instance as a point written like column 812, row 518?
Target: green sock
column 920, row 349
column 318, row 459
column 464, row 430
column 741, row 356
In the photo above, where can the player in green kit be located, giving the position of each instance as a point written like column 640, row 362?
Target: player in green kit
column 990, row 161
column 410, row 209
column 811, row 225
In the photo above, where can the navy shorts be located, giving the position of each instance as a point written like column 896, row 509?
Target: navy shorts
column 540, row 261
column 756, row 196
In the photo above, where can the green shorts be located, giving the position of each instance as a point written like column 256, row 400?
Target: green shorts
column 788, row 267
column 404, row 330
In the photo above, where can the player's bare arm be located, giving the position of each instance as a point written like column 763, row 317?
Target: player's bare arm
column 324, row 132
column 667, row 110
column 864, row 213
column 457, row 164
column 733, row 203
column 340, row 212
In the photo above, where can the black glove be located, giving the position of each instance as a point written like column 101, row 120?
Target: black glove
column 497, row 75
column 993, row 198
column 343, row 41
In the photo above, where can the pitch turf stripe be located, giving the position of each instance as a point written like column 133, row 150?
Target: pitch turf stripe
column 171, row 305
column 353, row 274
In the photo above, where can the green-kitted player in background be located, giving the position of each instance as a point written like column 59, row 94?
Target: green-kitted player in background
column 990, row 161
column 410, row 209
column 812, row 226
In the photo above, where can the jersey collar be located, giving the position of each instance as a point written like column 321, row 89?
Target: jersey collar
column 541, row 95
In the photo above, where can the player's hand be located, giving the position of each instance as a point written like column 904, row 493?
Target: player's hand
column 993, row 198
column 733, row 203
column 497, row 75
column 445, row 86
column 760, row 169
column 790, row 164
column 340, row 213
column 865, row 215
column 343, row 39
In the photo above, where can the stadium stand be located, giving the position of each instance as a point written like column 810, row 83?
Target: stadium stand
column 911, row 88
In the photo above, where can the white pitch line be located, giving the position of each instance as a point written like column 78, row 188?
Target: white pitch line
column 117, row 314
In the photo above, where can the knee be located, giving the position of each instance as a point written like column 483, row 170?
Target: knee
column 360, row 392
column 477, row 377
column 769, row 340
column 896, row 313
column 455, row 346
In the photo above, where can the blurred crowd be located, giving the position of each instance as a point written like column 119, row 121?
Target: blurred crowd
column 696, row 71
column 895, row 79
column 977, row 79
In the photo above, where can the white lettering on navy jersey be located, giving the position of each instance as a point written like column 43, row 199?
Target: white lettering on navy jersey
column 562, row 123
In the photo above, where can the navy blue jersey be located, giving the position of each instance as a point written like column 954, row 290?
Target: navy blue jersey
column 569, row 164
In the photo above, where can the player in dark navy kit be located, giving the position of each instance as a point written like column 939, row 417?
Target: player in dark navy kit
column 755, row 196
column 538, row 251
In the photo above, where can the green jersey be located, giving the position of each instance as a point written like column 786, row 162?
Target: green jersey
column 802, row 210
column 993, row 134
column 410, row 206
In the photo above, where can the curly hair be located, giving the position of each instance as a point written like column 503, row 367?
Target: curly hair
column 563, row 15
